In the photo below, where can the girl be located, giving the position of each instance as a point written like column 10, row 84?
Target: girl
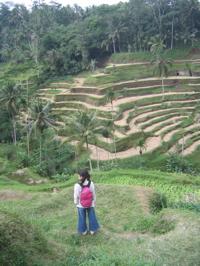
column 85, row 199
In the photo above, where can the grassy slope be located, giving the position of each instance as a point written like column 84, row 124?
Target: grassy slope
column 129, row 235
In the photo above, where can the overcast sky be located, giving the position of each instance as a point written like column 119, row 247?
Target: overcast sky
column 82, row 3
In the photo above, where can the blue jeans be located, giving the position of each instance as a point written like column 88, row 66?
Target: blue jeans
column 93, row 223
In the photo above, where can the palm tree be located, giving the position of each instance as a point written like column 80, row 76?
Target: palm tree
column 93, row 63
column 108, row 131
column 142, row 146
column 111, row 96
column 40, row 120
column 84, row 127
column 141, row 143
column 111, row 40
column 11, row 97
column 161, row 64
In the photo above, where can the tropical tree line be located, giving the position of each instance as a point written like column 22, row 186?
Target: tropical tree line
column 66, row 39
column 37, row 138
column 30, row 127
column 28, row 124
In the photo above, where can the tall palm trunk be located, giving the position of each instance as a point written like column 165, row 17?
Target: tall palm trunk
column 28, row 144
column 183, row 144
column 90, row 162
column 108, row 150
column 172, row 34
column 114, row 142
column 119, row 42
column 27, row 133
column 163, row 89
column 114, row 46
column 113, row 128
column 40, row 149
column 97, row 154
column 14, row 131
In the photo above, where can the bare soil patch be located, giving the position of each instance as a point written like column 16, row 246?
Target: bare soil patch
column 13, row 195
column 142, row 195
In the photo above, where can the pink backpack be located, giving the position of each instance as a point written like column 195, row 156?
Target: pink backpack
column 86, row 196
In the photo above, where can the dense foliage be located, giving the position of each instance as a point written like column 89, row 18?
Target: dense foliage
column 61, row 40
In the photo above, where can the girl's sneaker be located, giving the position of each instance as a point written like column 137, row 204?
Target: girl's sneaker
column 84, row 233
column 92, row 232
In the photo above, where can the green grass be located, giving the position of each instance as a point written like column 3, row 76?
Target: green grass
column 120, row 74
column 160, row 119
column 162, row 106
column 129, row 234
column 147, row 56
column 157, row 99
column 164, row 182
column 161, row 113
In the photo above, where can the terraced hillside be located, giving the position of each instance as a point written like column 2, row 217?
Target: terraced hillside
column 141, row 112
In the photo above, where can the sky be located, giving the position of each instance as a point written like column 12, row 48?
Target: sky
column 82, row 3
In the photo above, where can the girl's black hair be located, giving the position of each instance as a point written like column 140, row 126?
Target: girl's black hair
column 85, row 175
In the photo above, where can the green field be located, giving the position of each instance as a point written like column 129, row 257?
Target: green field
column 130, row 234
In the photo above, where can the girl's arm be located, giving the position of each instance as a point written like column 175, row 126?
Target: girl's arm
column 92, row 187
column 76, row 194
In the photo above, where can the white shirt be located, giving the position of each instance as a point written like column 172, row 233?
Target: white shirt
column 77, row 192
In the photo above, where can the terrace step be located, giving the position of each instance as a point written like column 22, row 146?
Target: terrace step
column 191, row 148
column 151, row 144
column 173, row 120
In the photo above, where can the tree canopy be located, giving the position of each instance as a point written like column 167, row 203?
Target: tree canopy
column 64, row 39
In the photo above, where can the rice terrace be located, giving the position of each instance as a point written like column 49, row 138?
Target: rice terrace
column 114, row 89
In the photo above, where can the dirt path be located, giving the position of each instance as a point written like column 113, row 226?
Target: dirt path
column 151, row 144
column 169, row 135
column 113, row 65
column 106, row 107
column 122, row 122
column 135, row 98
column 95, row 96
column 173, row 148
column 142, row 195
column 99, row 75
column 14, row 195
column 173, row 120
column 79, row 82
column 190, row 84
column 126, row 99
column 187, row 137
column 191, row 148
column 59, row 83
column 149, row 113
column 170, row 103
column 125, row 114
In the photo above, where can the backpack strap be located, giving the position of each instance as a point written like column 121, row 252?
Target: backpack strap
column 89, row 182
column 88, row 185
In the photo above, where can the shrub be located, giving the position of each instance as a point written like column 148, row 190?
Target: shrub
column 178, row 164
column 56, row 157
column 162, row 226
column 157, row 202
column 60, row 177
column 20, row 243
column 186, row 205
